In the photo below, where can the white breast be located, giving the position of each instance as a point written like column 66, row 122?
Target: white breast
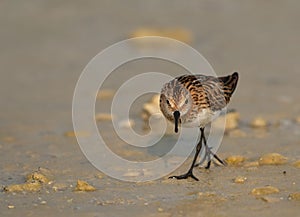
column 204, row 117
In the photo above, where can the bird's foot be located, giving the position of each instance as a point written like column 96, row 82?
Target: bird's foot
column 208, row 165
column 185, row 176
column 207, row 156
column 222, row 162
column 197, row 165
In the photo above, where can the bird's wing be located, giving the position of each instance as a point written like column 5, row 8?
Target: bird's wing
column 208, row 91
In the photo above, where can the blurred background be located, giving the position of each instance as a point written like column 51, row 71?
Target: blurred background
column 45, row 45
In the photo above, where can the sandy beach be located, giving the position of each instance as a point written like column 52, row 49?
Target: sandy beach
column 46, row 45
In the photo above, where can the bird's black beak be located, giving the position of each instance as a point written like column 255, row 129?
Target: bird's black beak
column 176, row 118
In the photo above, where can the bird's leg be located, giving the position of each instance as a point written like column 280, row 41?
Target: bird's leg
column 208, row 153
column 190, row 171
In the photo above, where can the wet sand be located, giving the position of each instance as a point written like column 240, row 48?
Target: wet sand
column 45, row 46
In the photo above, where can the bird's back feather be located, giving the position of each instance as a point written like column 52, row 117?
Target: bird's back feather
column 210, row 92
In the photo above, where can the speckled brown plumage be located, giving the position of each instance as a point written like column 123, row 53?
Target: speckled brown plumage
column 206, row 93
column 194, row 101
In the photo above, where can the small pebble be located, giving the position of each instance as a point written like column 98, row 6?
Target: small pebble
column 43, row 202
column 240, row 180
column 272, row 159
column 264, row 190
column 105, row 94
column 179, row 34
column 104, row 117
column 294, row 196
column 160, row 209
column 30, row 187
column 84, row 186
column 151, row 109
column 235, row 160
column 155, row 99
column 297, row 164
column 258, row 123
column 232, row 120
column 33, row 181
column 10, row 206
column 99, row 176
column 126, row 123
column 37, row 176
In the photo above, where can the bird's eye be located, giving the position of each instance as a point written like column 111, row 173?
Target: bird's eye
column 186, row 101
column 168, row 102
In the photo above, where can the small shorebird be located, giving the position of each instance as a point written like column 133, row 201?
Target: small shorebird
column 194, row 101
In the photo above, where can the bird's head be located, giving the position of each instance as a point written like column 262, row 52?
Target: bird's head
column 175, row 102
